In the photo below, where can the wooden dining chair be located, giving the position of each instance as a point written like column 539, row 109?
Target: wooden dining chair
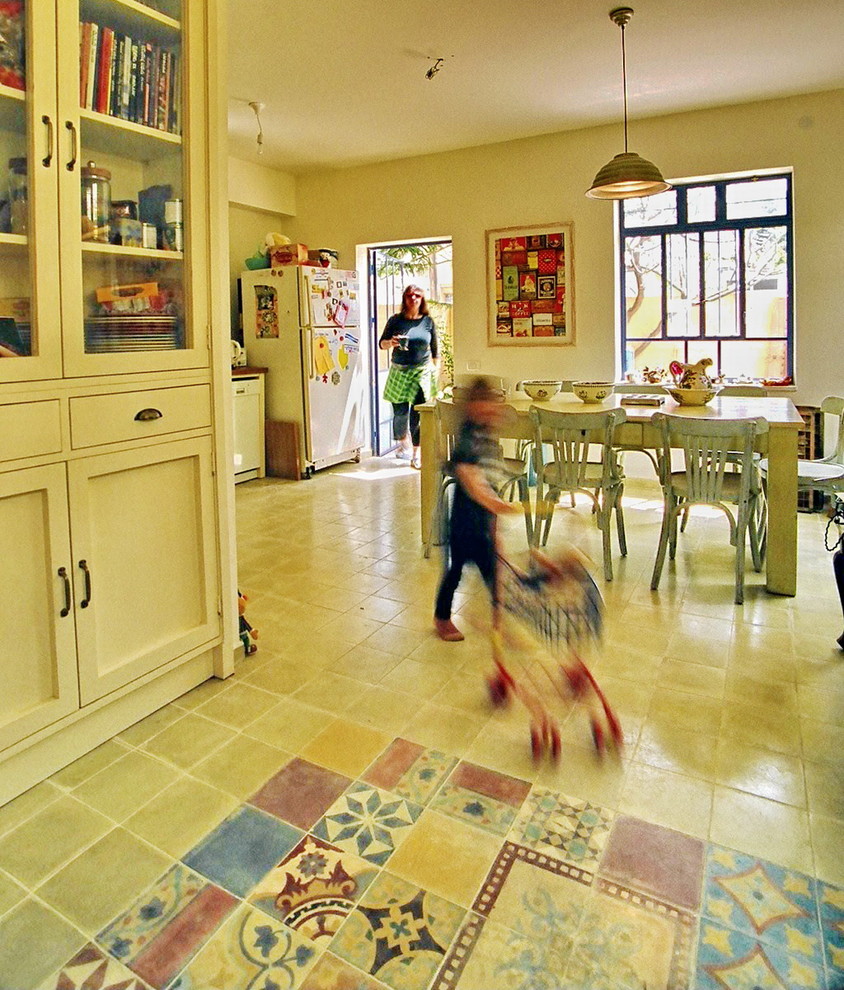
column 448, row 417
column 562, row 464
column 710, row 448
column 826, row 474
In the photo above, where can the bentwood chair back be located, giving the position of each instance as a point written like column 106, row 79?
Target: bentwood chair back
column 827, row 473
column 719, row 470
column 562, row 464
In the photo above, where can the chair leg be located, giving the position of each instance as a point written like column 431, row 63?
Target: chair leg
column 684, row 523
column 619, row 521
column 740, row 542
column 667, row 512
column 605, row 522
column 524, row 498
column 755, row 524
column 676, row 510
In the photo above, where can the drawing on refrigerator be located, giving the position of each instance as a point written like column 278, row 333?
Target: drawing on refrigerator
column 307, row 334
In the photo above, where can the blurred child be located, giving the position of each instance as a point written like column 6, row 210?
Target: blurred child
column 479, row 470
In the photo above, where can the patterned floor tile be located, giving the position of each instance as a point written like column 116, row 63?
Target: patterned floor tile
column 410, row 770
column 831, row 900
column 239, row 852
column 483, row 797
column 92, row 969
column 368, row 822
column 655, row 860
column 398, row 933
column 631, row 941
column 167, row 926
column 764, row 901
column 731, row 960
column 250, row 951
column 314, row 888
column 300, row 793
column 331, row 973
column 486, row 955
column 574, row 831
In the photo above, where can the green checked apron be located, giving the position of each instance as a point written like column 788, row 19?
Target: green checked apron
column 402, row 383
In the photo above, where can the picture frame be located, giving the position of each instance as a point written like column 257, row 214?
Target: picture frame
column 530, row 285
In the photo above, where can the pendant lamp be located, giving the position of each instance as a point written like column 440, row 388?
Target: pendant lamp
column 627, row 175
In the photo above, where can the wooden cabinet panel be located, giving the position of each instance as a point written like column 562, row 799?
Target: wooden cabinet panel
column 98, row 419
column 30, row 429
column 37, row 642
column 144, row 554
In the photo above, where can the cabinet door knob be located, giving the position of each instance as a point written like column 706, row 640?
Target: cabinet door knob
column 74, row 145
column 145, row 415
column 64, row 576
column 86, row 601
column 47, row 160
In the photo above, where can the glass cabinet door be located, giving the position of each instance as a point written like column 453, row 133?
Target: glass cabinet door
column 30, row 346
column 127, row 223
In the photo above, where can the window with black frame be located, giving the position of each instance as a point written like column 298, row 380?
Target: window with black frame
column 707, row 271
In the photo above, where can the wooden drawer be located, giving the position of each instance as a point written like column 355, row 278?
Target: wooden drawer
column 30, row 429
column 99, row 419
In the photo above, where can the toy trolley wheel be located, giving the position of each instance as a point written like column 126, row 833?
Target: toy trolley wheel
column 499, row 690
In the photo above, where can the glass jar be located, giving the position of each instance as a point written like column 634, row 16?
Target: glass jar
column 18, row 195
column 96, row 203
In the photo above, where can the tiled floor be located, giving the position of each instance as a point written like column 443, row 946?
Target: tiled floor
column 349, row 813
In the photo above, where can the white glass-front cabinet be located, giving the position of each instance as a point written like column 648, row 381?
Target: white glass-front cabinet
column 103, row 217
column 109, row 527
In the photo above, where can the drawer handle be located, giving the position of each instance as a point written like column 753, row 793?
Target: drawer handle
column 64, row 576
column 86, row 601
column 145, row 415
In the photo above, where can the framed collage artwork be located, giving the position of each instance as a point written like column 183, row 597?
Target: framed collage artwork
column 530, row 285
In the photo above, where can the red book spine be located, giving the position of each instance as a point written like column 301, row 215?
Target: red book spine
column 104, row 77
column 84, row 44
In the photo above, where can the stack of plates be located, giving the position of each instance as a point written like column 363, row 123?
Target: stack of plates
column 131, row 332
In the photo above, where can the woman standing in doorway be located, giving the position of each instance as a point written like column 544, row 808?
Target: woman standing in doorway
column 411, row 337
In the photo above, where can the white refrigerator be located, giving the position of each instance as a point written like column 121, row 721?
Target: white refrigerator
column 303, row 325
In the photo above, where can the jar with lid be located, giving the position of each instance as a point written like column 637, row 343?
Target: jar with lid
column 18, row 195
column 96, row 203
column 172, row 236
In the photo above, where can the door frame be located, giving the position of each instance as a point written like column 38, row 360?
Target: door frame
column 381, row 444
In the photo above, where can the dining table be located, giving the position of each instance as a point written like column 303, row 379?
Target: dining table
column 778, row 444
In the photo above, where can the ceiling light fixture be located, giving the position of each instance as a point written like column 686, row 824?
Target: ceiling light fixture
column 257, row 108
column 627, row 175
column 435, row 68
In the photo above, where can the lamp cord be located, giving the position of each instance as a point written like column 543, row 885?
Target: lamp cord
column 624, row 83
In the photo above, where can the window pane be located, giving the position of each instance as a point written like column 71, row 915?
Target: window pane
column 652, row 354
column 700, row 349
column 651, row 211
column 643, row 285
column 720, row 260
column 759, row 198
column 700, row 204
column 683, row 263
column 754, row 359
column 766, row 281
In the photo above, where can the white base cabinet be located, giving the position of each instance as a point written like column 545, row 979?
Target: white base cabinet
column 144, row 553
column 37, row 629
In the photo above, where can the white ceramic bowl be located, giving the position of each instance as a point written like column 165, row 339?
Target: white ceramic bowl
column 692, row 396
column 541, row 391
column 592, row 391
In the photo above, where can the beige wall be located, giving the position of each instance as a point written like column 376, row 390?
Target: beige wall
column 460, row 194
column 247, row 230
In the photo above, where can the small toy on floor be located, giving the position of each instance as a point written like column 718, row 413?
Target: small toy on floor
column 245, row 630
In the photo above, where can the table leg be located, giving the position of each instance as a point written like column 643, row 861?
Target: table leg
column 430, row 468
column 782, row 512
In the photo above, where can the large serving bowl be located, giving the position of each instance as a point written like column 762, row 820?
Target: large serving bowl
column 541, row 391
column 692, row 396
column 592, row 391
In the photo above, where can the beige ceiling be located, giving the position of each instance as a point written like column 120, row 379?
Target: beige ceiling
column 344, row 81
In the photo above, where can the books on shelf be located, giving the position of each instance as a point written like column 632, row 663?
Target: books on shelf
column 642, row 399
column 129, row 78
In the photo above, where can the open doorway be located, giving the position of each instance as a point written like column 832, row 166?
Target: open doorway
column 391, row 267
